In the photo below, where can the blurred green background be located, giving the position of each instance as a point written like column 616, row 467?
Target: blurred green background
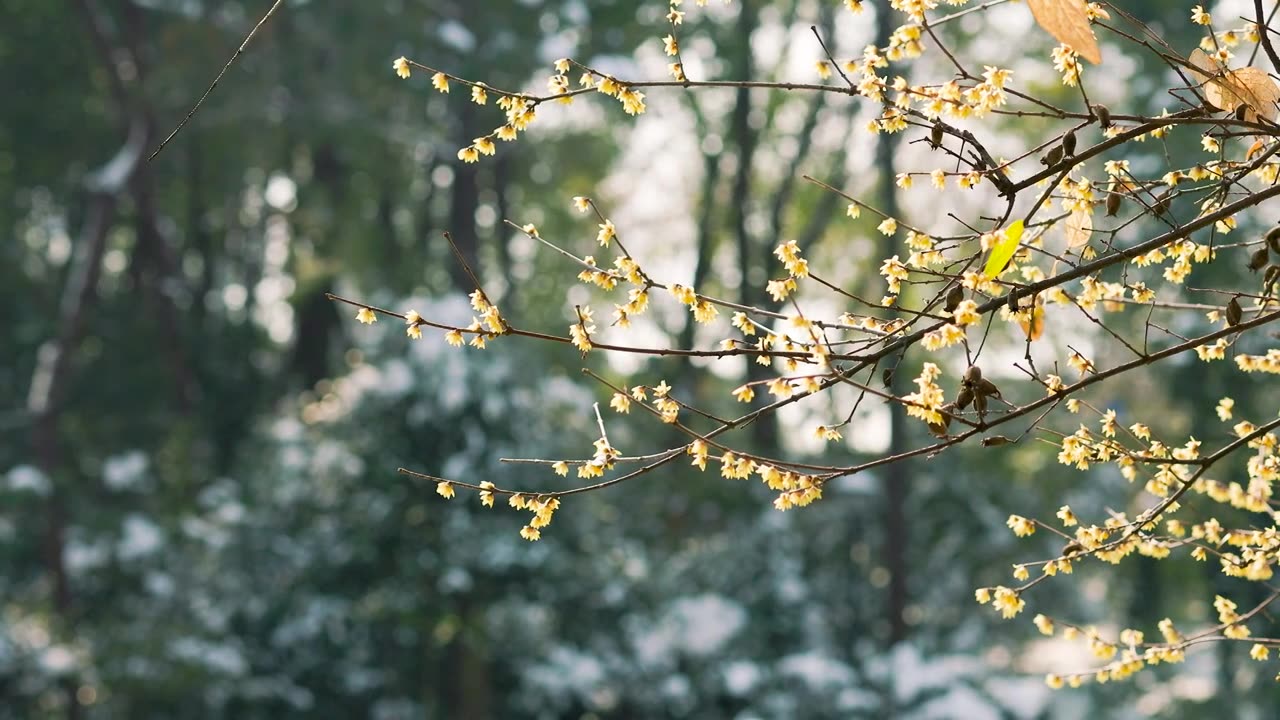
column 199, row 509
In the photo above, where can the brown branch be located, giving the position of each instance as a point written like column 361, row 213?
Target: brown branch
column 217, row 79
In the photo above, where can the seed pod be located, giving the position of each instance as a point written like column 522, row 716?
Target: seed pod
column 1072, row 548
column 1234, row 312
column 1273, row 240
column 954, row 296
column 1241, row 111
column 1013, row 302
column 1269, row 278
column 980, row 403
column 1162, row 204
column 1103, row 115
column 935, row 136
column 995, row 441
column 973, row 374
column 1258, row 259
column 1113, row 203
column 886, row 376
column 1053, row 157
column 985, row 387
column 1069, row 143
column 964, row 397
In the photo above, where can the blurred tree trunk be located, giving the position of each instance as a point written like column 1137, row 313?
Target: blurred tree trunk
column 463, row 201
column 764, row 431
column 894, row 476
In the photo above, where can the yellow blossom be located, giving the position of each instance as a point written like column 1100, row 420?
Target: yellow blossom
column 620, row 402
column 366, row 316
column 607, row 233
column 1020, row 526
column 1043, row 624
column 401, row 66
column 444, row 489
column 440, row 81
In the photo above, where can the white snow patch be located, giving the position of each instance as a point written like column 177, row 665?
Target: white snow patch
column 141, row 537
column 29, row 479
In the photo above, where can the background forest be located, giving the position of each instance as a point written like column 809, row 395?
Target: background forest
column 200, row 514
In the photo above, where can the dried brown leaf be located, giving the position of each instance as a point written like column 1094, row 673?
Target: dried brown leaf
column 1068, row 22
column 1229, row 89
column 1078, row 228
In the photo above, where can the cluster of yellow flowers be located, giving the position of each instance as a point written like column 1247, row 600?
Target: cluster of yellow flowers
column 1166, row 471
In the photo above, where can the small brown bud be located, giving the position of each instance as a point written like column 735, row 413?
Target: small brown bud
column 1103, row 115
column 1273, row 239
column 1234, row 312
column 1162, row 203
column 954, row 296
column 1258, row 259
column 1053, row 157
column 973, row 374
column 1113, row 203
column 1269, row 278
column 1069, row 143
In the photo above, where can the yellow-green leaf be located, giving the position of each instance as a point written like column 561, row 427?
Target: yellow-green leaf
column 1002, row 252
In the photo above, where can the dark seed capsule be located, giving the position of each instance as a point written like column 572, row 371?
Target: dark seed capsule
column 995, row 441
column 1162, row 204
column 1104, row 115
column 964, row 397
column 986, row 387
column 1269, row 278
column 973, row 374
column 1258, row 259
column 1072, row 548
column 1053, row 157
column 1241, row 111
column 954, row 296
column 1273, row 240
column 980, row 403
column 1013, row 302
column 1069, row 143
column 935, row 136
column 1234, row 312
column 886, row 377
column 1113, row 204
